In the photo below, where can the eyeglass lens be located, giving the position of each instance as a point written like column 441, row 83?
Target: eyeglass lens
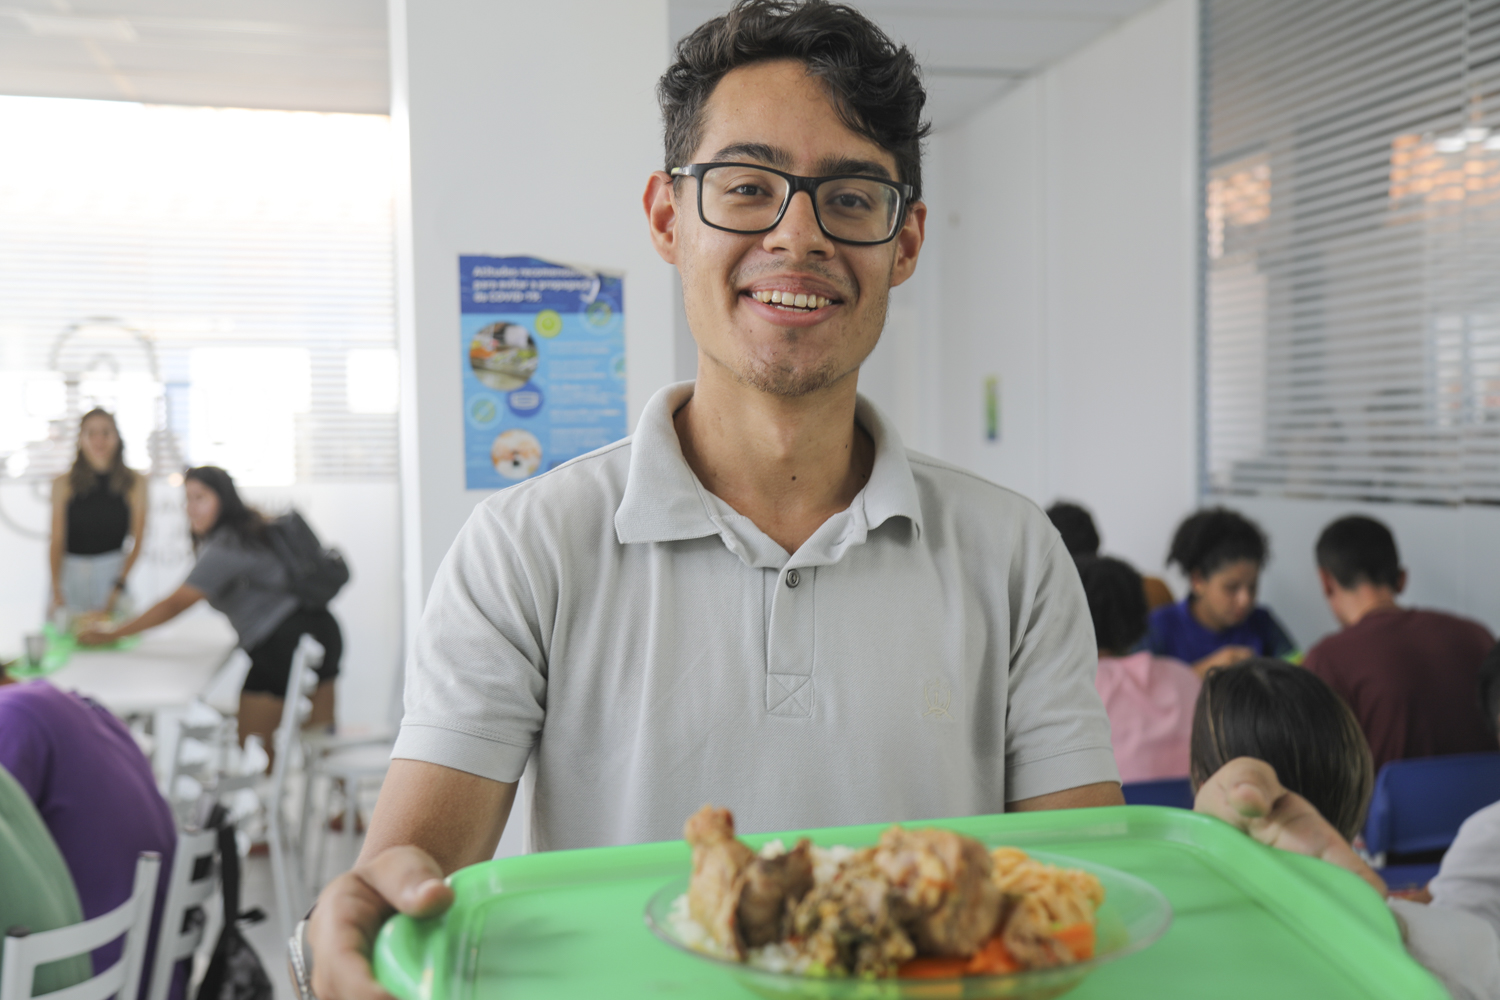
column 850, row 208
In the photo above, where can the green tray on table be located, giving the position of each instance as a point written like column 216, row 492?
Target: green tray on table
column 61, row 645
column 1248, row 922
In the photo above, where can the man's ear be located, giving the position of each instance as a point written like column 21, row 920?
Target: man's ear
column 1401, row 581
column 909, row 241
column 660, row 203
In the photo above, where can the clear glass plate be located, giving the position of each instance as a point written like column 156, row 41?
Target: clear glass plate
column 1134, row 914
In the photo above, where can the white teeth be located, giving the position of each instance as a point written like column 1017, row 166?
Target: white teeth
column 789, row 300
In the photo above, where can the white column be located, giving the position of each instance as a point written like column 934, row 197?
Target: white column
column 523, row 128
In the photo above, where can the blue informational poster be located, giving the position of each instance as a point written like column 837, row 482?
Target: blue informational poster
column 543, row 366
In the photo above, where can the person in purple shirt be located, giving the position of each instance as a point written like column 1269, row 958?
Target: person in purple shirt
column 1218, row 624
column 95, row 792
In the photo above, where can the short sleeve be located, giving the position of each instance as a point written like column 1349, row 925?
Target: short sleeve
column 216, row 568
column 476, row 685
column 1056, row 729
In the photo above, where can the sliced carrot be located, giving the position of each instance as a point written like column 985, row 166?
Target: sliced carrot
column 1079, row 938
column 932, row 968
column 994, row 958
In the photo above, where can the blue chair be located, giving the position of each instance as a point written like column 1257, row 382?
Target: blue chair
column 1418, row 806
column 1176, row 792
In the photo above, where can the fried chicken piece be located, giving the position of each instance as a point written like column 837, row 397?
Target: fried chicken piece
column 719, row 863
column 742, row 900
column 847, row 924
column 946, row 896
column 772, row 889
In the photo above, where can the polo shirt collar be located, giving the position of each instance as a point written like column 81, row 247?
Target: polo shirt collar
column 664, row 502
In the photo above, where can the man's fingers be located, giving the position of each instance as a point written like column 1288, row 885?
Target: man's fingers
column 343, row 924
column 410, row 880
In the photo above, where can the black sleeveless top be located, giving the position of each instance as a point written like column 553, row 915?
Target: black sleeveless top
column 98, row 520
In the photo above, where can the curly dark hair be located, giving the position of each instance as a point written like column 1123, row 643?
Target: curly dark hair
column 875, row 83
column 1212, row 539
column 1117, row 602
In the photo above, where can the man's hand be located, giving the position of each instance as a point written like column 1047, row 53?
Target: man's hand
column 351, row 909
column 1246, row 794
column 1224, row 656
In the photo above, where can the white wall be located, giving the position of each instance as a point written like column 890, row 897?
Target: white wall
column 530, row 129
column 1064, row 223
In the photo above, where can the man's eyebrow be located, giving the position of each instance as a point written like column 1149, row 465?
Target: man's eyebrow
column 760, row 151
column 834, row 165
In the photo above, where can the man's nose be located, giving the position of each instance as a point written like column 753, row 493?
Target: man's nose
column 798, row 231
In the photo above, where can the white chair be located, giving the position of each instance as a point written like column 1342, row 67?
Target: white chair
column 181, row 934
column 132, row 918
column 314, row 757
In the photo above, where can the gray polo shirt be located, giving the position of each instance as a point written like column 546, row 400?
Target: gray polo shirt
column 927, row 652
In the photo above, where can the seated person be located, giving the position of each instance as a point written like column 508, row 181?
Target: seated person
column 36, row 891
column 1264, row 711
column 1149, row 698
column 1218, row 624
column 1076, row 526
column 1281, row 714
column 1408, row 674
column 78, row 763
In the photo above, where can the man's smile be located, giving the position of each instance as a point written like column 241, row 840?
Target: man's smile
column 792, row 301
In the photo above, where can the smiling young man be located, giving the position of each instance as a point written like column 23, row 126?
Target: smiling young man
column 760, row 599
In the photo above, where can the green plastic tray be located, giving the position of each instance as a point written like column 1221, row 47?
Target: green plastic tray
column 61, row 646
column 1248, row 921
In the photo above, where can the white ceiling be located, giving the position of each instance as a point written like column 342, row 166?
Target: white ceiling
column 330, row 55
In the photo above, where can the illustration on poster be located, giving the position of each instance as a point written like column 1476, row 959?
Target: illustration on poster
column 544, row 365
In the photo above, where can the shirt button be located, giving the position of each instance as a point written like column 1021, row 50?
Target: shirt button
column 793, row 578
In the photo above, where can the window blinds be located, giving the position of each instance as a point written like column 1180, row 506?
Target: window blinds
column 222, row 279
column 1352, row 307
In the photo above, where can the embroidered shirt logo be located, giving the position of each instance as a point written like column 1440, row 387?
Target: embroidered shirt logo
column 937, row 696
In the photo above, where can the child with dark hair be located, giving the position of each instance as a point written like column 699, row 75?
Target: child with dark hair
column 1409, row 675
column 1277, row 755
column 1281, row 714
column 1149, row 698
column 1081, row 537
column 1218, row 624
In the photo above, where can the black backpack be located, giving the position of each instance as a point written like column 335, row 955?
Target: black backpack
column 235, row 971
column 315, row 573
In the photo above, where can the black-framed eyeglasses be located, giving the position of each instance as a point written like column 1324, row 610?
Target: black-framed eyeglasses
column 749, row 198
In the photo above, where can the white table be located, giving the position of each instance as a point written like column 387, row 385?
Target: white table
column 173, row 664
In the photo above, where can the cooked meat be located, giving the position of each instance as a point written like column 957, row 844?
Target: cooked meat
column 847, row 925
column 945, row 894
column 772, row 887
column 719, row 863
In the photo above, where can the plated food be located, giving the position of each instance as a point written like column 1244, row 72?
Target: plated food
column 920, row 904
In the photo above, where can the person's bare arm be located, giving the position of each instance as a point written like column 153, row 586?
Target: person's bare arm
column 1101, row 793
column 164, row 610
column 429, row 821
column 1224, row 656
column 139, row 500
column 60, row 492
column 1246, row 794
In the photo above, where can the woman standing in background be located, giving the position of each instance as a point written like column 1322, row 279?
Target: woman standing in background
column 95, row 506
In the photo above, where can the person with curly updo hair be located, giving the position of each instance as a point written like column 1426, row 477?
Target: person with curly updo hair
column 1218, row 624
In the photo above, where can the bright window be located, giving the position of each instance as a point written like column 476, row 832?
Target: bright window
column 220, row 278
